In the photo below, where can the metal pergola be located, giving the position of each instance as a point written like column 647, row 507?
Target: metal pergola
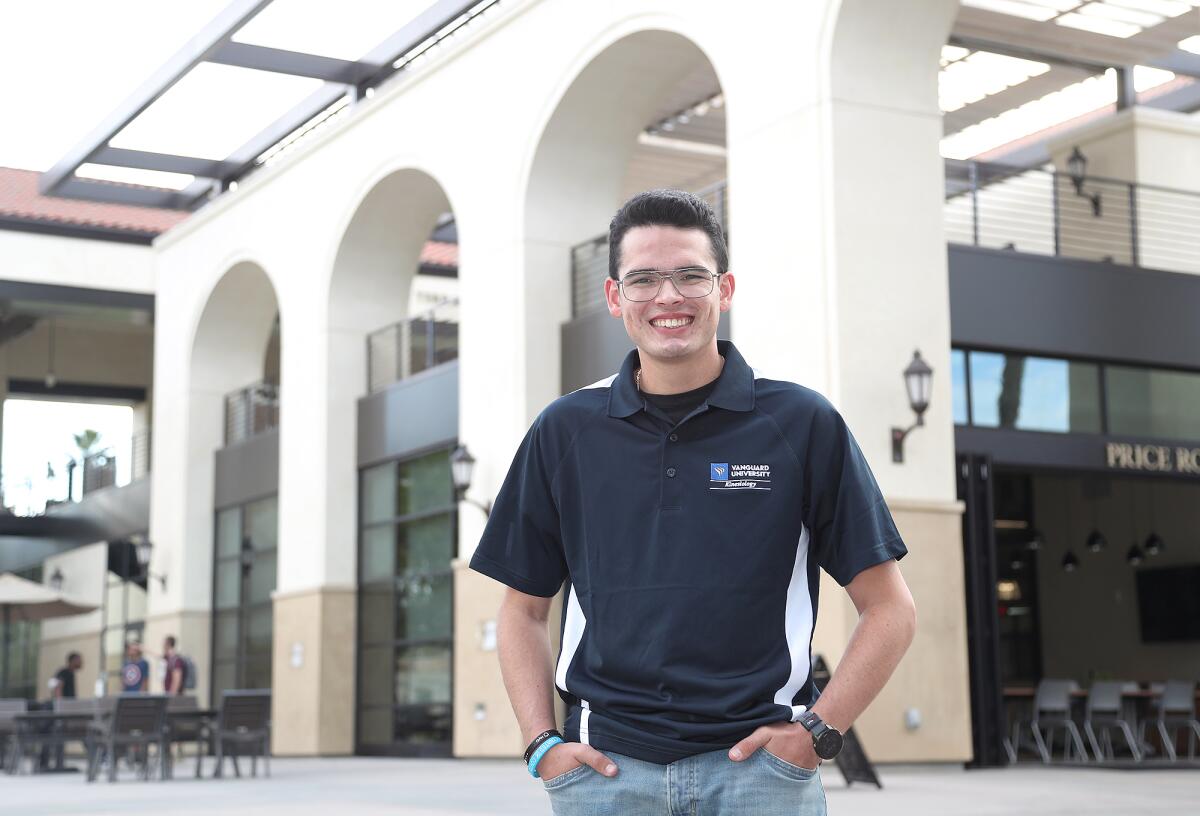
column 214, row 43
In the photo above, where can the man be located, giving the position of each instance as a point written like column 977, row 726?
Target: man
column 173, row 677
column 64, row 678
column 135, row 674
column 689, row 503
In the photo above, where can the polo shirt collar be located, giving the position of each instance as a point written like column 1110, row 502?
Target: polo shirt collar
column 734, row 389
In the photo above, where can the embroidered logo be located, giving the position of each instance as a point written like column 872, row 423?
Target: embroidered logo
column 724, row 476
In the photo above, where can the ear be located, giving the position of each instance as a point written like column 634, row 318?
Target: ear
column 612, row 296
column 727, row 285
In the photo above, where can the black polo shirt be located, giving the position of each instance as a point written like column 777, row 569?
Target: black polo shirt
column 692, row 552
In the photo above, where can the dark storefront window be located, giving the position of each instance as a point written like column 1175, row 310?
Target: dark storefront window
column 958, row 386
column 1155, row 403
column 406, row 607
column 243, row 579
column 23, row 639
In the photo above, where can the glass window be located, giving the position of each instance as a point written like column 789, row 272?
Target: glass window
column 377, row 621
column 260, row 583
column 424, row 545
column 379, row 493
column 1034, row 393
column 425, row 484
column 258, row 632
column 225, row 635
column 958, row 386
column 229, row 576
column 1150, row 402
column 378, row 553
column 423, row 675
column 229, row 532
column 262, row 523
column 224, row 677
column 375, row 727
column 423, row 607
column 377, row 672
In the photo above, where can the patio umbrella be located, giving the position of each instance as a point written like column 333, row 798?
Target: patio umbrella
column 28, row 601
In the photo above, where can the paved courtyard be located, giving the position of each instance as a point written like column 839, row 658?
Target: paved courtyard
column 362, row 786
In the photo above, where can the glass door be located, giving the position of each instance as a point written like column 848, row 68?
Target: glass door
column 243, row 580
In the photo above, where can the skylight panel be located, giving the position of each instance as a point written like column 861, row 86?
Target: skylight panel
column 1167, row 8
column 346, row 30
column 1191, row 44
column 952, row 53
column 1099, row 25
column 982, row 74
column 1057, row 5
column 213, row 110
column 1108, row 11
column 1013, row 8
column 133, row 175
column 1075, row 100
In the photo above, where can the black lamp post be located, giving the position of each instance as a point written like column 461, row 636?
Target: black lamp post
column 918, row 380
column 1077, row 170
column 462, row 468
column 56, row 580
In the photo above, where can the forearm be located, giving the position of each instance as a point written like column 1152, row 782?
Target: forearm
column 528, row 670
column 879, row 641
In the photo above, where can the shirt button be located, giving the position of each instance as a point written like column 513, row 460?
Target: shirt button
column 674, row 437
column 671, row 473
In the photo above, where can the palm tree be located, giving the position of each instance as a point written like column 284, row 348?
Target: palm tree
column 86, row 441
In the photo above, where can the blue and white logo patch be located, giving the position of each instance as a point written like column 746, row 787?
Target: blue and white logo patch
column 725, row 476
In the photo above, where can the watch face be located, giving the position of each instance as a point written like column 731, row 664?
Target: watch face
column 829, row 744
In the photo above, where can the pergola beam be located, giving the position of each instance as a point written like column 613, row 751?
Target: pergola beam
column 164, row 162
column 295, row 63
column 199, row 48
column 110, row 193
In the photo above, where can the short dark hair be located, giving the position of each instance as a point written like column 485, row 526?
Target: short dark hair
column 73, row 655
column 666, row 208
column 170, row 640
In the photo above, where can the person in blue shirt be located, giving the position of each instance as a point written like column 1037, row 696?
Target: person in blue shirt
column 135, row 674
column 688, row 503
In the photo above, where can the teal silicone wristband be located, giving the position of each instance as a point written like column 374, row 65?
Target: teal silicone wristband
column 539, row 753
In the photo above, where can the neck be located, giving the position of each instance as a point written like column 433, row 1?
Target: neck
column 682, row 375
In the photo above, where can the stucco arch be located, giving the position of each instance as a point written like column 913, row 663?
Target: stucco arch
column 233, row 329
column 578, row 173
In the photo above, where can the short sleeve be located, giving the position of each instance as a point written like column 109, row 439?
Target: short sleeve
column 849, row 523
column 521, row 545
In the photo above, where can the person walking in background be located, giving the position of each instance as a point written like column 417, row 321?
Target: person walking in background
column 689, row 502
column 175, row 672
column 63, row 684
column 135, row 674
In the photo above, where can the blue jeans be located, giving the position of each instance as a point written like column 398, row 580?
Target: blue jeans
column 702, row 785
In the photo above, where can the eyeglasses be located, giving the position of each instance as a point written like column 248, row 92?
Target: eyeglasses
column 690, row 282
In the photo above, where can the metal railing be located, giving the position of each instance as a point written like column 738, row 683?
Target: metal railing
column 139, row 455
column 413, row 345
column 250, row 411
column 1038, row 210
column 589, row 260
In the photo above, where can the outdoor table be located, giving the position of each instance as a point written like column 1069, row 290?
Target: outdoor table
column 37, row 723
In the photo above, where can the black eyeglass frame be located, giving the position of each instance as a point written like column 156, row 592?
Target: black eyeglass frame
column 670, row 275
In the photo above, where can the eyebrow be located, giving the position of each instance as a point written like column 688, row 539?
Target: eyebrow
column 666, row 271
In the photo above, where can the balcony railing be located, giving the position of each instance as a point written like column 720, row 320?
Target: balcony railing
column 413, row 345
column 1038, row 210
column 250, row 411
column 589, row 260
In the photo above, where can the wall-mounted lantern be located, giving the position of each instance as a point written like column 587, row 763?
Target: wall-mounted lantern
column 1077, row 170
column 918, row 379
column 462, row 468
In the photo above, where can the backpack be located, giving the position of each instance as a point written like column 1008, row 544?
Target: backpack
column 189, row 672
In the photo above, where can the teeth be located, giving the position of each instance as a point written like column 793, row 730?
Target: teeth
column 671, row 322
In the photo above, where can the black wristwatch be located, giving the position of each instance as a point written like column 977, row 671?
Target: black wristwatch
column 827, row 740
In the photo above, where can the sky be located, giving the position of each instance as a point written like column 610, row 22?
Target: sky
column 38, row 433
column 65, row 65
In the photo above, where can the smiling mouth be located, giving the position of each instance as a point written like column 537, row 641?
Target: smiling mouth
column 671, row 322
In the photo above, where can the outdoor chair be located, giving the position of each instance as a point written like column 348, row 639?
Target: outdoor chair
column 184, row 729
column 1176, row 710
column 9, row 708
column 1052, row 710
column 1104, row 713
column 137, row 721
column 244, row 722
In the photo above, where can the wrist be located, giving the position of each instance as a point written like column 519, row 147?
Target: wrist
column 540, row 752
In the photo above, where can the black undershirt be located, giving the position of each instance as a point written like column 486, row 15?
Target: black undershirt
column 677, row 406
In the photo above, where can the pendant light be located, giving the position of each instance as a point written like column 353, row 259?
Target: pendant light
column 1154, row 543
column 51, row 379
column 1069, row 562
column 1096, row 541
column 1135, row 556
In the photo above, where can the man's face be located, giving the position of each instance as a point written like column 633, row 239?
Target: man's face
column 669, row 327
column 76, row 663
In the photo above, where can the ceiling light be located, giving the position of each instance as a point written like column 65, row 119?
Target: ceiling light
column 1134, row 556
column 1098, row 25
column 1013, row 8
column 1125, row 15
column 1191, row 44
column 1096, row 541
column 1069, row 562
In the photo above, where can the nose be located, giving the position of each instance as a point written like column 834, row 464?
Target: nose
column 668, row 295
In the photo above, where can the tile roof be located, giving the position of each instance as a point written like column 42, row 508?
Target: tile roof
column 20, row 199
column 440, row 253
